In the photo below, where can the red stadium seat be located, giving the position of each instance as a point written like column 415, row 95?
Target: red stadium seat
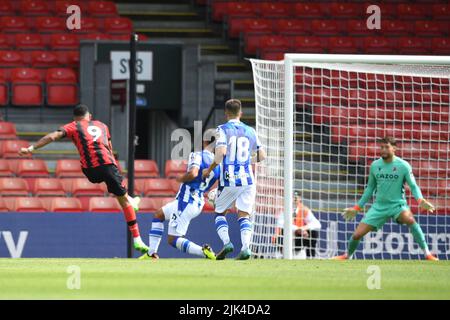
column 104, row 204
column 13, row 24
column 158, row 187
column 175, row 185
column 396, row 27
column 11, row 59
column 409, row 45
column 63, row 204
column 139, row 185
column 342, row 45
column 13, row 187
column 7, row 131
column 62, row 5
column 412, row 11
column 27, row 204
column 4, row 94
column 292, row 26
column 274, row 42
column 146, row 169
column 441, row 11
column 273, row 55
column 95, row 36
column 88, row 25
column 149, row 205
column 275, row 9
column 440, row 46
column 50, row 24
column 346, row 10
column 174, row 168
column 31, row 168
column 237, row 25
column 102, row 9
column 68, row 168
column 43, row 59
column 308, row 10
column 62, row 88
column 25, row 41
column 5, row 169
column 6, row 8
column 309, row 44
column 326, row 27
column 81, row 187
column 378, row 45
column 69, row 58
column 430, row 168
column 10, row 148
column 3, row 206
column 118, row 25
column 26, row 87
column 358, row 28
column 48, row 187
column 5, row 42
column 431, row 28
column 221, row 11
column 64, row 41
column 34, row 8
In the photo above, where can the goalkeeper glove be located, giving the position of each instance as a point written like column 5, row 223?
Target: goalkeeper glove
column 350, row 213
column 425, row 205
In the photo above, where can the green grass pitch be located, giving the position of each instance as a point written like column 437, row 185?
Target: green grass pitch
column 229, row 279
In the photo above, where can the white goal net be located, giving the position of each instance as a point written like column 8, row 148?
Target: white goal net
column 319, row 118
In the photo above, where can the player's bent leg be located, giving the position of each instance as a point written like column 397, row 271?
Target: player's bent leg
column 221, row 224
column 156, row 233
column 187, row 246
column 130, row 217
column 354, row 240
column 246, row 234
column 406, row 217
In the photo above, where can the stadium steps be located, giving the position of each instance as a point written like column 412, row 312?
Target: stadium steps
column 182, row 21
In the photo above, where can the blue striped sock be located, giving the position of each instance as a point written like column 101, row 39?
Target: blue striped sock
column 184, row 245
column 246, row 232
column 155, row 235
column 222, row 228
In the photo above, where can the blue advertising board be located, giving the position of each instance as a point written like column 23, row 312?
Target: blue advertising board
column 92, row 235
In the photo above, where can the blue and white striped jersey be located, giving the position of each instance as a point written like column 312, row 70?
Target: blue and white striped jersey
column 193, row 191
column 241, row 142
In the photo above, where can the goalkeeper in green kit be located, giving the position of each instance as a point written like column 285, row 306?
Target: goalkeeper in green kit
column 386, row 178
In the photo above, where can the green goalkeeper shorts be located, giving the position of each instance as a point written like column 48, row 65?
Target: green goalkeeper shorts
column 377, row 217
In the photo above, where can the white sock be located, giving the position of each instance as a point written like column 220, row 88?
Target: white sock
column 222, row 228
column 246, row 232
column 184, row 245
column 155, row 235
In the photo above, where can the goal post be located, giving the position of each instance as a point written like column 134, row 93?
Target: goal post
column 319, row 117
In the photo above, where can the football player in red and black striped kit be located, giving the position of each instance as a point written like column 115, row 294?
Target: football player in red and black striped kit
column 93, row 141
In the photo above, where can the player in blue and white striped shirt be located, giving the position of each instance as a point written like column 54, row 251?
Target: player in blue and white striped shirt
column 237, row 147
column 187, row 205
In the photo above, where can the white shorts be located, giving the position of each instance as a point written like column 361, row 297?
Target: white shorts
column 243, row 196
column 179, row 221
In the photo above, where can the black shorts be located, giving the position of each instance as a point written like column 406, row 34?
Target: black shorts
column 108, row 174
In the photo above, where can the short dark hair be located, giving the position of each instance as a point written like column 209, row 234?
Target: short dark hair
column 209, row 135
column 233, row 106
column 389, row 140
column 80, row 110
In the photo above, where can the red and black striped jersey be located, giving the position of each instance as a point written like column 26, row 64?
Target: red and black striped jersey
column 92, row 141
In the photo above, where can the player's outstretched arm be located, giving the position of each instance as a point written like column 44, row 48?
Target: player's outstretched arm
column 49, row 138
column 415, row 190
column 219, row 153
column 350, row 213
